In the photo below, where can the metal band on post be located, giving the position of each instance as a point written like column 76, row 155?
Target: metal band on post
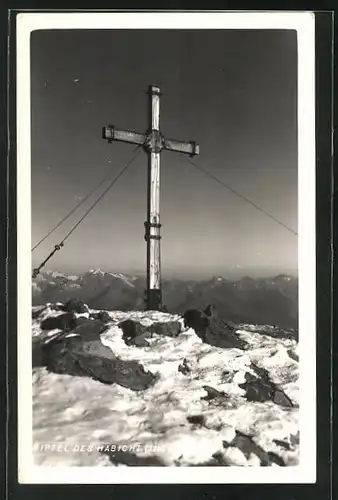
column 195, row 149
column 108, row 133
column 152, row 90
column 148, row 236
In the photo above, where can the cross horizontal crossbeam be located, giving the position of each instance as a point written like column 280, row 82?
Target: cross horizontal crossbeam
column 190, row 148
column 113, row 134
column 150, row 141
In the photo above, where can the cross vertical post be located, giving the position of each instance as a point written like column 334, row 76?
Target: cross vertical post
column 152, row 225
column 153, row 142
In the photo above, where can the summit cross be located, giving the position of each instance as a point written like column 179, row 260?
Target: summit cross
column 153, row 142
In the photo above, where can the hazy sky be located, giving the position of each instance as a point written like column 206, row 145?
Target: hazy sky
column 233, row 92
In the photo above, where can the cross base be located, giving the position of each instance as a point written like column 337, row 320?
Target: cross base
column 153, row 300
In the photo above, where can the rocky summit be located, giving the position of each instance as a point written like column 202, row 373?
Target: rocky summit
column 146, row 388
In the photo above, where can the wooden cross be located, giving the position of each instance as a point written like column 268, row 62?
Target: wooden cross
column 153, row 142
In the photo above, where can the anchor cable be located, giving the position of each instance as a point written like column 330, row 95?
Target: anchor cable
column 66, row 217
column 222, row 183
column 111, row 184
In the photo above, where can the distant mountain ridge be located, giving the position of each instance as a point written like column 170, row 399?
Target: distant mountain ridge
column 271, row 301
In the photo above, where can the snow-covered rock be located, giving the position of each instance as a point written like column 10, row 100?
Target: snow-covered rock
column 196, row 413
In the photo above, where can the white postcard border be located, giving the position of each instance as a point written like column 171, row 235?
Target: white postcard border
column 303, row 23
